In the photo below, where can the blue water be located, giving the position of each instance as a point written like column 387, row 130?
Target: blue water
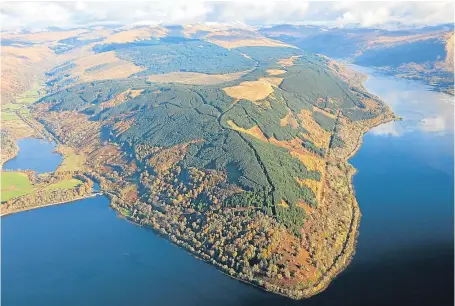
column 405, row 181
column 83, row 254
column 405, row 190
column 34, row 154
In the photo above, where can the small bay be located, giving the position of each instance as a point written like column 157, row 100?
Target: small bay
column 34, row 154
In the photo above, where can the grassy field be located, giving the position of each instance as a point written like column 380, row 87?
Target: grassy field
column 63, row 184
column 30, row 96
column 11, row 114
column 14, row 184
column 10, row 106
column 71, row 160
column 7, row 116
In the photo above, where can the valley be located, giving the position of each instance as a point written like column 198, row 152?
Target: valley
column 424, row 54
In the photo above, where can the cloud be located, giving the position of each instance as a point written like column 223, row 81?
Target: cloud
column 370, row 14
column 433, row 124
column 23, row 14
column 257, row 12
column 387, row 129
column 367, row 18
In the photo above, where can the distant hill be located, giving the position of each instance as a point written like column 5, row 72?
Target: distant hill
column 421, row 53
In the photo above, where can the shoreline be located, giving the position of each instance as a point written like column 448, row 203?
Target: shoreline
column 51, row 204
column 353, row 233
column 3, row 162
column 341, row 261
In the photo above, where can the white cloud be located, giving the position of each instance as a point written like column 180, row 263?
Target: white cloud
column 433, row 124
column 21, row 14
column 387, row 129
column 80, row 5
column 260, row 12
column 366, row 18
column 254, row 12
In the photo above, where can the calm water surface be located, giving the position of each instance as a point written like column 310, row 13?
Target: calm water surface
column 83, row 254
column 34, row 154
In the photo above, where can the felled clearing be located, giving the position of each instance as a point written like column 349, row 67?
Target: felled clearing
column 255, row 131
column 311, row 161
column 317, row 134
column 252, row 42
column 242, row 38
column 122, row 126
column 325, row 113
column 287, row 62
column 272, row 81
column 122, row 97
column 275, row 71
column 283, row 204
column 294, row 147
column 195, row 78
column 289, row 119
column 114, row 68
column 251, row 90
column 77, row 131
column 132, row 35
column 312, row 184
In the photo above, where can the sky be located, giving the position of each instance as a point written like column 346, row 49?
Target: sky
column 39, row 15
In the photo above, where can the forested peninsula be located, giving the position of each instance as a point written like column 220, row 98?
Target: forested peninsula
column 231, row 145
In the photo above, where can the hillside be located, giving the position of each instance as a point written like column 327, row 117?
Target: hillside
column 424, row 54
column 230, row 144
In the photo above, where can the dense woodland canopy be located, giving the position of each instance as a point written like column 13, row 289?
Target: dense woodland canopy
column 200, row 117
column 180, row 54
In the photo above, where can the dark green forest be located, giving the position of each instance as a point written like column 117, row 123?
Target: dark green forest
column 164, row 116
column 180, row 54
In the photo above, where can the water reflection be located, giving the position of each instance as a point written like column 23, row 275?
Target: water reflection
column 424, row 110
column 388, row 129
column 433, row 124
column 35, row 154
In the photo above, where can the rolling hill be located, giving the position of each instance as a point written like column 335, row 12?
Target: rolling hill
column 231, row 144
column 424, row 54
